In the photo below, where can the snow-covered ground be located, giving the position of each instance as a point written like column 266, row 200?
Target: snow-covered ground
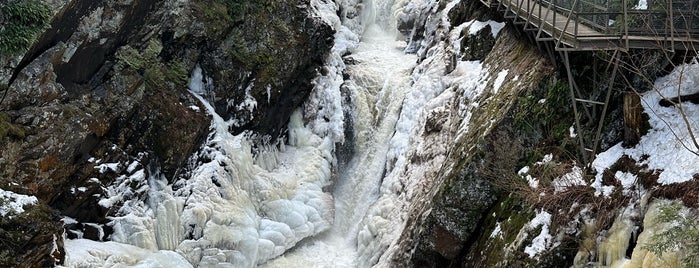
column 669, row 146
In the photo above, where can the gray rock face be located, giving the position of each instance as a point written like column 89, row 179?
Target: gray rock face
column 106, row 82
column 440, row 232
column 262, row 69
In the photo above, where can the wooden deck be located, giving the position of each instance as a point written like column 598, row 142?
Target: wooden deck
column 570, row 32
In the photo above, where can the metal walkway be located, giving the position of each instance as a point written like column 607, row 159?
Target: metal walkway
column 610, row 25
column 578, row 25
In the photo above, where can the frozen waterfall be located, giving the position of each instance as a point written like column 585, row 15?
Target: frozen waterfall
column 273, row 207
column 379, row 76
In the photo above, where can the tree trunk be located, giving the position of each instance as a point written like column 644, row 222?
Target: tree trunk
column 632, row 118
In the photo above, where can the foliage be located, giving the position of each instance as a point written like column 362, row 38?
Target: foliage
column 683, row 234
column 21, row 22
column 219, row 15
column 155, row 72
column 510, row 215
column 543, row 111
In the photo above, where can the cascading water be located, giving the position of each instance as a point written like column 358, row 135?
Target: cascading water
column 379, row 76
column 272, row 208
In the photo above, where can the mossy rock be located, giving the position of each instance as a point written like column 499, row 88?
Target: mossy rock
column 149, row 64
column 7, row 129
column 27, row 238
column 511, row 216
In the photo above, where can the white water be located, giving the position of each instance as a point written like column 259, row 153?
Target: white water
column 378, row 83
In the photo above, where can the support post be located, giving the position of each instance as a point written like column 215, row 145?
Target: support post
column 578, row 127
column 610, row 88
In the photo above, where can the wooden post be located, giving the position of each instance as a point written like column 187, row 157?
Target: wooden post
column 632, row 118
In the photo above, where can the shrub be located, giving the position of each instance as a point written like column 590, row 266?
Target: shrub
column 683, row 235
column 154, row 71
column 21, row 22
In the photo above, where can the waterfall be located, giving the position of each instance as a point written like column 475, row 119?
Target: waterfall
column 379, row 77
column 242, row 209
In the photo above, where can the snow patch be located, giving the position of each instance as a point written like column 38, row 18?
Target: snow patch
column 573, row 178
column 499, row 80
column 495, row 27
column 12, row 204
column 544, row 239
column 642, row 5
column 497, row 232
column 571, row 132
column 668, row 145
column 107, row 167
column 627, row 180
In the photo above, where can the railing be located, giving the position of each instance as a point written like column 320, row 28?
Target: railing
column 664, row 19
column 667, row 18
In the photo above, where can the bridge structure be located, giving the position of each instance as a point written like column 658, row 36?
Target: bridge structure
column 576, row 25
column 615, row 26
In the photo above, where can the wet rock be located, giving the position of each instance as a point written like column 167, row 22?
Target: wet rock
column 456, row 215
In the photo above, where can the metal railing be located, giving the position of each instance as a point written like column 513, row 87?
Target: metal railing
column 568, row 20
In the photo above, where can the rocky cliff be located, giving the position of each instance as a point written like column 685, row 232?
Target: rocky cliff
column 474, row 163
column 87, row 84
column 494, row 176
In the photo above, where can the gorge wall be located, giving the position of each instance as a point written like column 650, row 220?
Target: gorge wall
column 374, row 133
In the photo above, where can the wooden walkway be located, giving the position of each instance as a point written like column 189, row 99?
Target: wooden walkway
column 571, row 30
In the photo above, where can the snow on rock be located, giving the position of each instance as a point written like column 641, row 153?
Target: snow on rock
column 12, row 203
column 547, row 159
column 123, row 188
column 497, row 232
column 495, row 27
column 559, row 183
column 668, row 145
column 108, row 167
column 627, row 180
column 642, row 5
column 324, row 106
column 571, row 132
column 499, row 80
column 544, row 239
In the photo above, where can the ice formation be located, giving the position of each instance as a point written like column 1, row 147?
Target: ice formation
column 239, row 209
